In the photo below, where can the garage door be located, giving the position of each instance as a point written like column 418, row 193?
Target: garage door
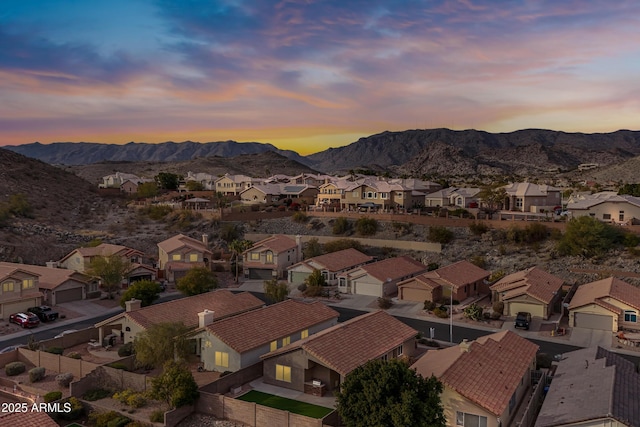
column 593, row 321
column 16, row 307
column 260, row 274
column 366, row 289
column 534, row 309
column 298, row 277
column 417, row 295
column 68, row 295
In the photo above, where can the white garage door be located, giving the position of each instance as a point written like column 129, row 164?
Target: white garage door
column 593, row 321
column 371, row 289
column 534, row 309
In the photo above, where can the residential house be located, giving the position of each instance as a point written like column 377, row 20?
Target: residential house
column 532, row 290
column 319, row 363
column 529, row 197
column 19, row 290
column 453, row 196
column 608, row 304
column 80, row 259
column 137, row 319
column 592, row 387
column 274, row 193
column 333, row 193
column 310, row 179
column 116, row 180
column 465, row 279
column 179, row 254
column 270, row 257
column 233, row 185
column 439, row 198
column 130, row 186
column 237, row 342
column 330, row 265
column 205, row 179
column 607, row 206
column 379, row 279
column 59, row 285
column 484, row 380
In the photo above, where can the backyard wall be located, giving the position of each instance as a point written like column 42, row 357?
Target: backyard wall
column 55, row 362
column 174, row 417
column 224, row 384
column 112, row 379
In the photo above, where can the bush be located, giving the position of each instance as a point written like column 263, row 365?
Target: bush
column 478, row 228
column 440, row 234
column 473, row 312
column 300, row 217
column 497, row 275
column 131, row 398
column 440, row 312
column 302, row 287
column 96, row 394
column 118, row 365
column 52, row 396
column 495, row 315
column 433, row 266
column 36, row 374
column 478, row 261
column 74, row 355
column 55, row 350
column 385, row 303
column 498, row 307
column 64, row 379
column 14, row 368
column 366, row 226
column 109, row 419
column 429, row 305
column 340, row 225
column 340, row 244
column 157, row 416
column 77, row 410
column 126, row 350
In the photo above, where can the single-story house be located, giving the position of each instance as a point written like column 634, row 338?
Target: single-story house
column 331, row 265
column 19, row 290
column 608, row 304
column 179, row 254
column 530, row 197
column 237, row 342
column 607, row 206
column 484, row 380
column 379, row 279
column 273, row 193
column 320, row 362
column 80, row 259
column 270, row 257
column 136, row 319
column 532, row 290
column 465, row 278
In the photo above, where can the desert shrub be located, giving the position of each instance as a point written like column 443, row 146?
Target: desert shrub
column 109, row 419
column 126, row 350
column 478, row 261
column 313, row 291
column 385, row 303
column 497, row 275
column 340, row 244
column 433, row 266
column 55, row 350
column 300, row 217
column 302, row 287
column 77, row 410
column 478, row 228
column 64, row 379
column 340, row 225
column 131, row 398
column 118, row 365
column 52, row 396
column 440, row 234
column 630, row 240
column 473, row 312
column 401, row 227
column 156, row 212
column 74, row 355
column 96, row 394
column 36, row 374
column 429, row 305
column 229, row 233
column 498, row 307
column 441, row 312
column 366, row 226
column 495, row 315
column 157, row 416
column 14, row 368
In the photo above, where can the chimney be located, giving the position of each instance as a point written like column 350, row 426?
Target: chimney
column 133, row 305
column 205, row 239
column 205, row 318
column 52, row 264
column 465, row 346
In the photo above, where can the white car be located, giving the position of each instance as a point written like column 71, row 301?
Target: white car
column 63, row 333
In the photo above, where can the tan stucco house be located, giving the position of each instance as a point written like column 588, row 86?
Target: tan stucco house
column 19, row 290
column 330, row 265
column 180, row 253
column 607, row 207
column 530, row 197
column 270, row 257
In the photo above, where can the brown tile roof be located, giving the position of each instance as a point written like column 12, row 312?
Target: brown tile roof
column 222, row 302
column 261, row 326
column 602, row 289
column 103, row 249
column 181, row 241
column 488, row 373
column 533, row 281
column 277, row 243
column 27, row 419
column 423, row 281
column 394, row 268
column 350, row 344
column 337, row 261
column 461, row 273
column 7, row 269
column 50, row 278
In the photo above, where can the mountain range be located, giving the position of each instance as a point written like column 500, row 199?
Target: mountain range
column 412, row 152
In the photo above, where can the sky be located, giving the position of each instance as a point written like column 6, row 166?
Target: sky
column 307, row 75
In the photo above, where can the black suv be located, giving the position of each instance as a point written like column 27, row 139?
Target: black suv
column 44, row 313
column 523, row 319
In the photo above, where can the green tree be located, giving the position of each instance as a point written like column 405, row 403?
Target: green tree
column 493, row 197
column 146, row 291
column 340, row 225
column 275, row 291
column 588, row 237
column 147, row 190
column 161, row 342
column 314, row 284
column 111, row 270
column 312, row 248
column 194, row 185
column 388, row 393
column 366, row 226
column 167, row 180
column 198, row 280
column 440, row 234
column 20, row 206
column 229, row 232
column 340, row 244
column 237, row 247
column 175, row 386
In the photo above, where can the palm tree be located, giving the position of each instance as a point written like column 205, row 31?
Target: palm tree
column 237, row 247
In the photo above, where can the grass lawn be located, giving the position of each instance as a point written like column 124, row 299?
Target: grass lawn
column 293, row 406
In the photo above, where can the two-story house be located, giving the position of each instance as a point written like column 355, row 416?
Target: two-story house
column 180, row 253
column 330, row 266
column 19, row 290
column 273, row 193
column 233, row 185
column 270, row 257
column 529, row 197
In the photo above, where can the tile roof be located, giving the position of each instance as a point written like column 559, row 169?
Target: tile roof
column 50, row 278
column 488, row 373
column 336, row 261
column 592, row 384
column 533, row 281
column 529, row 189
column 27, row 419
column 181, row 241
column 264, row 325
column 277, row 243
column 459, row 273
column 394, row 268
column 103, row 249
column 350, row 344
column 610, row 287
column 7, row 269
column 222, row 302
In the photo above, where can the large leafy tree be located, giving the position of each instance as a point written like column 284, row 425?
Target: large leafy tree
column 313, row 248
column 175, row 386
column 275, row 291
column 146, row 291
column 382, row 393
column 493, row 197
column 198, row 280
column 237, row 247
column 111, row 270
column 161, row 342
column 167, row 180
column 147, row 189
column 589, row 237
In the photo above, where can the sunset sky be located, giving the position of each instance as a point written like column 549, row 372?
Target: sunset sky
column 307, row 75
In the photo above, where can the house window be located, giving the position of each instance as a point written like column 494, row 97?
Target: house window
column 7, row 287
column 385, row 357
column 193, row 257
column 606, row 216
column 283, row 373
column 470, row 420
column 630, row 316
column 384, row 195
column 273, row 346
column 519, row 203
column 621, row 216
column 286, row 341
column 176, row 257
column 397, row 352
column 28, row 284
column 356, row 193
column 369, row 195
column 399, row 195
column 92, row 287
column 222, row 359
column 255, row 256
column 304, row 334
column 270, row 257
column 459, row 201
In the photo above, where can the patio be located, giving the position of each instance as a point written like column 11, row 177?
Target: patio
column 327, row 401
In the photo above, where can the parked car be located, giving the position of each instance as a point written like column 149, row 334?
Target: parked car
column 67, row 332
column 44, row 313
column 523, row 320
column 26, row 320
